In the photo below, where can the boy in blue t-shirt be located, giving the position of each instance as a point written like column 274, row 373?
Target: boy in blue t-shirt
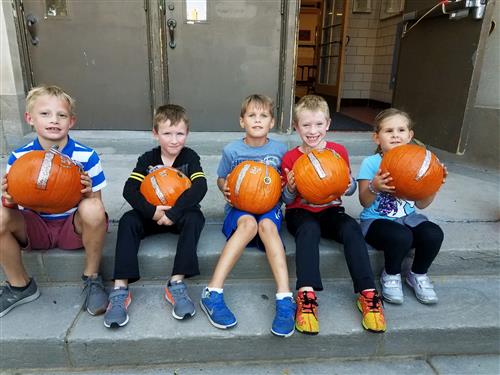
column 242, row 228
column 51, row 113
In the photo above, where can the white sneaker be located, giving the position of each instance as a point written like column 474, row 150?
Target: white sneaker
column 423, row 288
column 392, row 288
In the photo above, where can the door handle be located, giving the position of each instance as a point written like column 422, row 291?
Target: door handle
column 171, row 24
column 31, row 20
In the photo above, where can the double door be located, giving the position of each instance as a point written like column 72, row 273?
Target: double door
column 121, row 59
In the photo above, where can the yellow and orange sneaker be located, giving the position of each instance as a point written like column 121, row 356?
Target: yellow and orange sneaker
column 306, row 318
column 370, row 304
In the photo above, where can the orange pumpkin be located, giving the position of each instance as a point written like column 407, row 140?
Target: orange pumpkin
column 321, row 176
column 255, row 187
column 45, row 181
column 164, row 185
column 416, row 172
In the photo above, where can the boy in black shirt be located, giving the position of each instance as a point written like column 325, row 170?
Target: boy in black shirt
column 171, row 127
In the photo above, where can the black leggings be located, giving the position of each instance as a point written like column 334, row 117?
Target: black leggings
column 308, row 227
column 396, row 240
column 133, row 228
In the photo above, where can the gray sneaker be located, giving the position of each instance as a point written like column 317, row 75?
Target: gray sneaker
column 392, row 288
column 176, row 294
column 423, row 288
column 10, row 298
column 96, row 298
column 116, row 313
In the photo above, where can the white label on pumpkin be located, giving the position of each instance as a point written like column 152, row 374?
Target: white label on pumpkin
column 241, row 176
column 425, row 165
column 43, row 175
column 157, row 190
column 317, row 165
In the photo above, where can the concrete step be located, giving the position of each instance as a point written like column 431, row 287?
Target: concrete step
column 442, row 365
column 468, row 249
column 54, row 332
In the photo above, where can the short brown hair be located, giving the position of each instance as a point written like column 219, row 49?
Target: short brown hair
column 313, row 103
column 49, row 90
column 173, row 112
column 258, row 100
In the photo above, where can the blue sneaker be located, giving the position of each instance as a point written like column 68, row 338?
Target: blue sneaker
column 217, row 312
column 284, row 320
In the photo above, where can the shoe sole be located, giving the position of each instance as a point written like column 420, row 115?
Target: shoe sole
column 97, row 312
column 116, row 324
column 282, row 334
column 425, row 302
column 306, row 332
column 28, row 299
column 186, row 316
column 216, row 325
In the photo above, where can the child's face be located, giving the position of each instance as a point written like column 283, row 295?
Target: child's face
column 51, row 118
column 257, row 121
column 311, row 126
column 393, row 132
column 171, row 138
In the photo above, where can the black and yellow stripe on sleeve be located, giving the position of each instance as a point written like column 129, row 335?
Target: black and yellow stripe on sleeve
column 196, row 175
column 137, row 176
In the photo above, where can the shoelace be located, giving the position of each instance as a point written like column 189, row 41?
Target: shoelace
column 308, row 304
column 87, row 289
column 374, row 303
column 118, row 300
column 179, row 293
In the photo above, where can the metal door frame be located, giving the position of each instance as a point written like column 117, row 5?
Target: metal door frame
column 156, row 56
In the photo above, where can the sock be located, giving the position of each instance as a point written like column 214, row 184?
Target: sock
column 120, row 287
column 21, row 288
column 218, row 290
column 284, row 295
column 170, row 282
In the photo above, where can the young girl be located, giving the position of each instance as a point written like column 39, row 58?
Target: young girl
column 391, row 224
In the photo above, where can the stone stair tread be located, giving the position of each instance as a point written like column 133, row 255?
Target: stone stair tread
column 453, row 365
column 468, row 248
column 54, row 332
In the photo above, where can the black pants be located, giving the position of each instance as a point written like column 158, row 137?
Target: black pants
column 396, row 240
column 308, row 227
column 133, row 228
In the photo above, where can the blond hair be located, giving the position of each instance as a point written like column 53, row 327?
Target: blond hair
column 258, row 100
column 173, row 112
column 49, row 90
column 388, row 113
column 313, row 103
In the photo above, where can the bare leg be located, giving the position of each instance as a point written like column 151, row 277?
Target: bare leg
column 90, row 219
column 12, row 232
column 268, row 233
column 246, row 230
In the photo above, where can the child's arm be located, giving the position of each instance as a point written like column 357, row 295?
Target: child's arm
column 290, row 189
column 368, row 189
column 192, row 196
column 222, row 185
column 423, row 203
column 132, row 193
column 7, row 200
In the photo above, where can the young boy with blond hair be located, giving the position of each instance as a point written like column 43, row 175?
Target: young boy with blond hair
column 308, row 222
column 170, row 129
column 51, row 112
column 242, row 228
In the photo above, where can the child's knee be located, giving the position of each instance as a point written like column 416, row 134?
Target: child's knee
column 91, row 210
column 248, row 225
column 267, row 227
column 6, row 219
